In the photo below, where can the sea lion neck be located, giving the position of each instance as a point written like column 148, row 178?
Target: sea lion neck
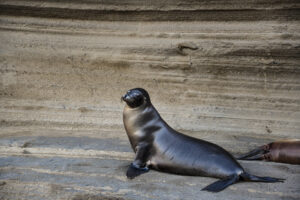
column 137, row 117
column 138, row 122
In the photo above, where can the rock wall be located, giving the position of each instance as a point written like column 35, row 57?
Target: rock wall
column 64, row 66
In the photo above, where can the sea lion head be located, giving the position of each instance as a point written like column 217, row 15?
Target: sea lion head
column 136, row 97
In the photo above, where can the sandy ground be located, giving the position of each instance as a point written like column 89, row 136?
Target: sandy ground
column 53, row 164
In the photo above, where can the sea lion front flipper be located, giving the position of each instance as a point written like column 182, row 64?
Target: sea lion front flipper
column 222, row 184
column 134, row 171
column 138, row 166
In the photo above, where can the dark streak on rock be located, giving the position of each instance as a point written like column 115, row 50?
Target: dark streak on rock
column 2, row 183
column 95, row 197
column 154, row 15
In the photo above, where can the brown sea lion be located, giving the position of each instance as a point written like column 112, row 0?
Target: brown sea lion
column 160, row 147
column 284, row 151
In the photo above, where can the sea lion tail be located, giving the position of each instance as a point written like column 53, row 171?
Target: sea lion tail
column 222, row 184
column 249, row 177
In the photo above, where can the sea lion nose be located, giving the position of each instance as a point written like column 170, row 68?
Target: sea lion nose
column 124, row 97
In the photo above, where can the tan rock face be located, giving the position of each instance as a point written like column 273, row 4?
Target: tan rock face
column 64, row 67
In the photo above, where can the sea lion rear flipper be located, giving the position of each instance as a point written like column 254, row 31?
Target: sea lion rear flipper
column 249, row 177
column 134, row 171
column 221, row 184
column 255, row 154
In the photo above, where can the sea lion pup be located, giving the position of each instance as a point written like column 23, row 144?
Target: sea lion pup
column 160, row 147
column 284, row 151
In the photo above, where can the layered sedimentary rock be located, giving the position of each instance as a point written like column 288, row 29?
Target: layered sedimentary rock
column 64, row 66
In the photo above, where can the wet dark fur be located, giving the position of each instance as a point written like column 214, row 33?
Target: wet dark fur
column 160, row 147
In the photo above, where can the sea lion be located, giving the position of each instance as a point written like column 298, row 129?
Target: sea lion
column 158, row 146
column 284, row 151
